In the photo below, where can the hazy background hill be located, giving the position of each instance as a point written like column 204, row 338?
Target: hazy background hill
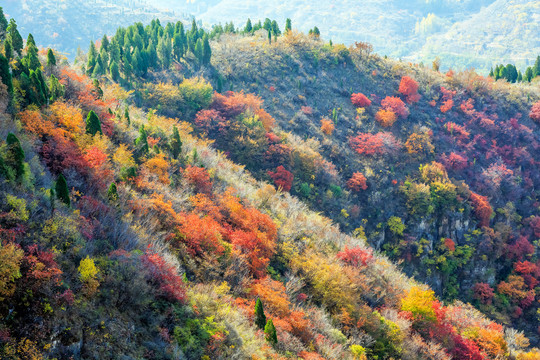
column 463, row 33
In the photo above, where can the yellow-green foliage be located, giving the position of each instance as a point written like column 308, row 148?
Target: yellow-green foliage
column 10, row 259
column 396, row 226
column 87, row 269
column 419, row 303
column 18, row 207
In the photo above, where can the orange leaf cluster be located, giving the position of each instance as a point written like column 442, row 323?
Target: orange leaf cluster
column 327, row 126
column 396, row 105
column 386, row 118
column 482, row 209
column 409, row 88
column 357, row 182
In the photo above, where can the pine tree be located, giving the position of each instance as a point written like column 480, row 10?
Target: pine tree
column 51, row 59
column 288, row 25
column 31, row 59
column 115, row 73
column 105, row 43
column 206, row 51
column 270, row 332
column 142, row 140
column 126, row 115
column 536, row 67
column 176, row 143
column 52, row 196
column 14, row 37
column 491, row 73
column 520, row 76
column 248, row 28
column 62, row 191
column 178, row 47
column 269, row 37
column 275, row 28
column 56, row 89
column 112, row 193
column 8, row 50
column 219, row 85
column 15, row 158
column 198, row 51
column 267, row 24
column 528, row 74
column 316, row 32
column 5, row 74
column 93, row 125
column 260, row 318
column 3, row 23
column 92, row 58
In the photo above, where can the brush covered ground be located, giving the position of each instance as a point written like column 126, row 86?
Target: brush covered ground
column 149, row 213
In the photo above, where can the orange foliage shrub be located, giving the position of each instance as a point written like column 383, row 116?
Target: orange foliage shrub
column 447, row 106
column 409, row 88
column 273, row 295
column 69, row 117
column 419, row 143
column 482, row 209
column 327, row 126
column 158, row 166
column 198, row 177
column 396, row 105
column 357, row 182
column 360, row 100
column 457, row 130
column 201, row 235
column 32, row 121
column 386, row 118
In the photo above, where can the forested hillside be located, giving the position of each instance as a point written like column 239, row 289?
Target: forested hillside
column 178, row 193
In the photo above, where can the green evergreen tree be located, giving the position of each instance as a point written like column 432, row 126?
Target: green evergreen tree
column 316, row 32
column 275, row 28
column 536, row 67
column 104, row 60
column 126, row 116
column 511, row 73
column 31, row 59
column 14, row 37
column 5, row 74
column 3, row 24
column 491, row 73
column 105, row 43
column 115, row 73
column 528, row 74
column 114, row 52
column 270, row 332
column 62, row 191
column 248, row 28
column 164, row 51
column 178, row 47
column 260, row 318
column 112, row 193
column 176, row 143
column 142, row 140
column 51, row 59
column 269, row 36
column 206, row 51
column 267, row 24
column 52, row 196
column 8, row 50
column 219, row 85
column 15, row 156
column 198, row 51
column 56, row 89
column 92, row 59
column 520, row 76
column 93, row 125
column 288, row 25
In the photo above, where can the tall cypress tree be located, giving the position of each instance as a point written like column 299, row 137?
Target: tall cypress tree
column 14, row 37
column 142, row 140
column 288, row 25
column 5, row 74
column 115, row 73
column 176, row 143
column 31, row 60
column 270, row 332
column 3, row 23
column 56, row 89
column 62, row 191
column 536, row 67
column 51, row 59
column 528, row 74
column 15, row 157
column 92, row 58
column 260, row 318
column 178, row 47
column 8, row 49
column 206, row 50
column 248, row 28
column 198, row 51
column 93, row 125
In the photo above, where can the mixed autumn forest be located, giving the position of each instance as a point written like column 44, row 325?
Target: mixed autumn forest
column 256, row 192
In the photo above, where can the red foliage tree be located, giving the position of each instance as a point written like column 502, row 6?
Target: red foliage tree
column 356, row 256
column 535, row 225
column 520, row 249
column 201, row 234
column 396, row 105
column 482, row 208
column 165, row 276
column 374, row 144
column 198, row 177
column 447, row 106
column 409, row 88
column 282, row 178
column 454, row 161
column 535, row 111
column 483, row 293
column 360, row 100
column 357, row 182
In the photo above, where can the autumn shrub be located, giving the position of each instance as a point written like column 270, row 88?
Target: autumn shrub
column 535, row 111
column 482, row 208
column 374, row 144
column 198, row 177
column 357, row 182
column 409, row 88
column 327, row 126
column 360, row 100
column 282, row 178
column 396, row 105
column 386, row 118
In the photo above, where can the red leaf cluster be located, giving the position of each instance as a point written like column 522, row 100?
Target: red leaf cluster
column 282, row 178
column 360, row 100
column 409, row 88
column 357, row 182
column 396, row 105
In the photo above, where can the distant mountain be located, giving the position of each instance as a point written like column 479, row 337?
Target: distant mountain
column 463, row 33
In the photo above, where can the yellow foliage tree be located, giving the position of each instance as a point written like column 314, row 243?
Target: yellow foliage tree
column 419, row 303
column 10, row 259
